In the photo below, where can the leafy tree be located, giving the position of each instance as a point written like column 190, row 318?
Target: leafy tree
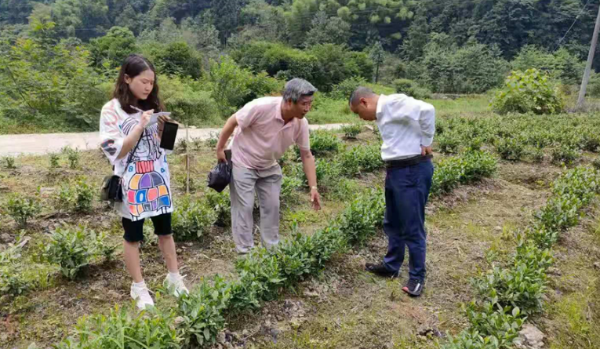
column 15, row 11
column 260, row 22
column 226, row 14
column 49, row 84
column 84, row 19
column 376, row 53
column 177, row 58
column 113, row 48
column 327, row 30
column 166, row 33
column 229, row 84
column 474, row 68
column 201, row 34
column 561, row 64
column 41, row 26
column 372, row 19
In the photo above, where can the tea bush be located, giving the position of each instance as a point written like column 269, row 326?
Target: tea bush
column 493, row 327
column 54, row 158
column 511, row 149
column 202, row 312
column 74, row 248
column 192, row 219
column 536, row 154
column 361, row 216
column 323, row 143
column 327, row 171
column 449, row 142
column 260, row 279
column 9, row 162
column 22, row 209
column 351, row 131
column 566, row 155
column 73, row 156
column 477, row 166
column 12, row 281
column 213, row 140
column 122, row 329
column 289, row 186
column 467, row 168
column 361, row 159
column 221, row 204
column 77, row 197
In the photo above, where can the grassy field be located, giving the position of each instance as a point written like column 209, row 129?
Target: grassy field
column 342, row 307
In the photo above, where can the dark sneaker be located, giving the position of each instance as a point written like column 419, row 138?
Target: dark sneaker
column 381, row 270
column 414, row 287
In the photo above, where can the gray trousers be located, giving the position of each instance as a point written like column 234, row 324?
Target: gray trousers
column 268, row 185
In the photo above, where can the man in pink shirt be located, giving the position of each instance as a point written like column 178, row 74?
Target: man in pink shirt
column 266, row 128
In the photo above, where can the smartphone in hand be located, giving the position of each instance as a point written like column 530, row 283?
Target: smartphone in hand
column 169, row 134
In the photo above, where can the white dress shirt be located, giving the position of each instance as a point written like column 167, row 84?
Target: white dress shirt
column 405, row 124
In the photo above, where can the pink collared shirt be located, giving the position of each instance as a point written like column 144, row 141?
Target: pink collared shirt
column 263, row 136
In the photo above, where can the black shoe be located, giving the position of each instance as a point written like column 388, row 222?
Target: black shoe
column 381, row 270
column 414, row 287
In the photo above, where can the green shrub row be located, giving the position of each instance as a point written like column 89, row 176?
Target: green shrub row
column 509, row 293
column 469, row 167
column 262, row 275
column 524, row 136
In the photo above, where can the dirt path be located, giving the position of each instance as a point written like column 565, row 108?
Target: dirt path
column 349, row 308
column 37, row 144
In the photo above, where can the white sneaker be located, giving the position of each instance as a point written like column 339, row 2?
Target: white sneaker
column 142, row 297
column 175, row 285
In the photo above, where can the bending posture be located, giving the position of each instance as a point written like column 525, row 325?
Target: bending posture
column 266, row 127
column 407, row 126
column 145, row 172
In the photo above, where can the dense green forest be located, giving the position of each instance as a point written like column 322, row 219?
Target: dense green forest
column 59, row 58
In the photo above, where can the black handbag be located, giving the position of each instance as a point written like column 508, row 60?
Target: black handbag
column 112, row 186
column 220, row 176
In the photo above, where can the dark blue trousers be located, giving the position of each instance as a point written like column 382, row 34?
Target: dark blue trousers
column 406, row 193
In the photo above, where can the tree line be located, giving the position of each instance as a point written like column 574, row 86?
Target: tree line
column 59, row 57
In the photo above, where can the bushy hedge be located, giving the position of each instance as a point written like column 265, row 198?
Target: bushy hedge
column 509, row 293
column 528, row 92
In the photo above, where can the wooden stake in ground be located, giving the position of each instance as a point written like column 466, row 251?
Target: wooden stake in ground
column 588, row 67
column 187, row 159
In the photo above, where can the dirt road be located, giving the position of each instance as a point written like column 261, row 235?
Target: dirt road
column 37, row 144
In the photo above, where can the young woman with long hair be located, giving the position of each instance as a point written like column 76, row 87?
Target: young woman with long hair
column 132, row 144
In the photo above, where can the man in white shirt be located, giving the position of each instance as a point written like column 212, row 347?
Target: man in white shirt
column 406, row 126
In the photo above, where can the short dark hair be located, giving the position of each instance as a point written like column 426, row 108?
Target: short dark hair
column 133, row 66
column 360, row 92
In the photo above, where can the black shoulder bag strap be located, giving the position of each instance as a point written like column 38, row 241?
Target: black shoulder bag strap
column 132, row 153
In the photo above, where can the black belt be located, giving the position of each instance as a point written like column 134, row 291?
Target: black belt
column 412, row 161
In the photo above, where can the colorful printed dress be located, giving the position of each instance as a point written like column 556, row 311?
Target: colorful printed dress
column 146, row 180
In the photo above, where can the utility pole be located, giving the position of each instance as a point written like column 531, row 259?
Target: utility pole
column 588, row 67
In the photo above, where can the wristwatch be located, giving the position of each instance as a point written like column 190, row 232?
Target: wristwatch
column 314, row 187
